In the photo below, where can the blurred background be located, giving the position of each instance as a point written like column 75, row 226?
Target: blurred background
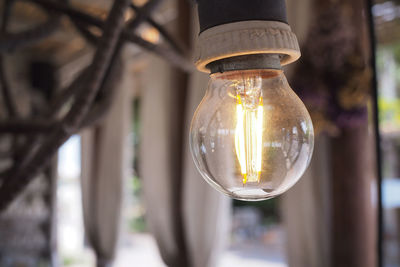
column 123, row 190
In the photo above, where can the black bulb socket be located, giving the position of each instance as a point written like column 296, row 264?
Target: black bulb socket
column 217, row 12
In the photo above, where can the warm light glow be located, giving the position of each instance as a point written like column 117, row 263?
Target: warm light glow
column 239, row 138
column 260, row 112
column 150, row 34
column 251, row 137
column 248, row 136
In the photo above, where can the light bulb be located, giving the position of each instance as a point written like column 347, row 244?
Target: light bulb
column 251, row 137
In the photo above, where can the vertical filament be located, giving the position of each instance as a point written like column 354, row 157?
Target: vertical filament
column 248, row 138
column 259, row 137
column 239, row 138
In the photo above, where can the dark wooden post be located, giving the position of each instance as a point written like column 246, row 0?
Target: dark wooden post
column 334, row 80
column 353, row 215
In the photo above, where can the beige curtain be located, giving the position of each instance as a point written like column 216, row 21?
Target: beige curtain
column 104, row 167
column 305, row 207
column 305, row 210
column 206, row 211
column 189, row 229
column 159, row 186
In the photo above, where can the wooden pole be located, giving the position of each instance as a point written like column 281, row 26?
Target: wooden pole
column 353, row 215
column 335, row 70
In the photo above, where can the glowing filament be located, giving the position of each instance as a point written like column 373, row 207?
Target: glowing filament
column 248, row 139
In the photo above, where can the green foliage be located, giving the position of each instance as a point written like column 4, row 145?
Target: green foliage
column 135, row 132
column 136, row 185
column 389, row 108
column 396, row 52
column 73, row 260
column 67, row 261
column 389, row 112
column 138, row 224
column 269, row 209
column 136, row 218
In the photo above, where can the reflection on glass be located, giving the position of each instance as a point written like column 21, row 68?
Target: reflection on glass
column 251, row 137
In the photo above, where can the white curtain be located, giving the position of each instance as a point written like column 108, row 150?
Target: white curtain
column 191, row 232
column 305, row 207
column 206, row 211
column 305, row 210
column 155, row 168
column 104, row 167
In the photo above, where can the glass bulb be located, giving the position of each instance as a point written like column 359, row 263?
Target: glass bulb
column 251, row 137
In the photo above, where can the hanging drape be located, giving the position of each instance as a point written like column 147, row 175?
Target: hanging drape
column 104, row 167
column 305, row 207
column 305, row 210
column 187, row 217
column 159, row 186
column 206, row 211
column 329, row 214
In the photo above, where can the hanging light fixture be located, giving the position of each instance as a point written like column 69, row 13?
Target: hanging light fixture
column 251, row 136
